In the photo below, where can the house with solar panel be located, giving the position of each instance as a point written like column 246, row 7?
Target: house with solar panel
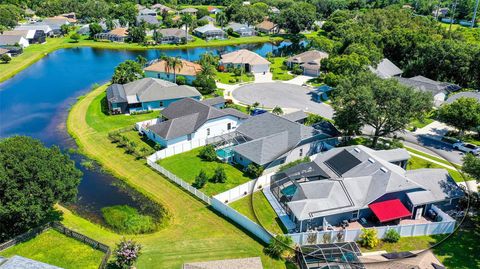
column 356, row 185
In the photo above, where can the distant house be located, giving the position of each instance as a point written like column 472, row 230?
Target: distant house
column 251, row 61
column 217, row 102
column 4, row 51
column 115, row 35
column 309, row 62
column 422, row 259
column 207, row 19
column 160, row 70
column 241, row 29
column 244, row 263
column 440, row 12
column 188, row 120
column 174, row 36
column 386, row 69
column 268, row 27
column 274, row 10
column 33, row 36
column 147, row 11
column 55, row 23
column 192, row 11
column 149, row 19
column 454, row 97
column 213, row 10
column 146, row 94
column 19, row 262
column 297, row 116
column 209, row 32
column 161, row 8
column 439, row 90
column 47, row 30
column 14, row 40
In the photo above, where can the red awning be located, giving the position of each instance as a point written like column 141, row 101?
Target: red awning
column 389, row 210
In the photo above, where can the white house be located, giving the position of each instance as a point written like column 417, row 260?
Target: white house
column 189, row 120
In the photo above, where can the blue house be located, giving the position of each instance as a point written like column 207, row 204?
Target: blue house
column 161, row 70
column 146, row 94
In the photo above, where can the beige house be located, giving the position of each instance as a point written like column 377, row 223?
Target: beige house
column 251, row 61
column 268, row 27
column 309, row 61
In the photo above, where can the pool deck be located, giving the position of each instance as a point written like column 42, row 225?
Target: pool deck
column 282, row 215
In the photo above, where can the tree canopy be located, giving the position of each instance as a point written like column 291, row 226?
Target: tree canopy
column 33, row 179
column 127, row 71
column 463, row 114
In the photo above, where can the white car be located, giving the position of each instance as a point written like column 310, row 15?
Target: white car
column 467, row 148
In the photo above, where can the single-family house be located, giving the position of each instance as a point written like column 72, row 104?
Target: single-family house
column 148, row 19
column 353, row 183
column 174, row 36
column 386, row 69
column 115, row 35
column 33, row 36
column 243, row 263
column 161, row 8
column 251, row 61
column 55, row 23
column 452, row 98
column 241, row 29
column 209, row 32
column 161, row 70
column 309, row 62
column 146, row 94
column 217, row 102
column 208, row 19
column 189, row 120
column 213, row 10
column 11, row 51
column 190, row 10
column 147, row 11
column 47, row 30
column 269, row 140
column 14, row 40
column 4, row 51
column 439, row 90
column 421, row 259
column 341, row 255
column 268, row 27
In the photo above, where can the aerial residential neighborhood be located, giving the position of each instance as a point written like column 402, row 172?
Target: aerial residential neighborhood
column 237, row 134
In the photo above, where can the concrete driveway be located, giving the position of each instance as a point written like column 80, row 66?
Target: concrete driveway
column 284, row 95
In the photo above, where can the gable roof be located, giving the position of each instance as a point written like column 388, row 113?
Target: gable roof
column 243, row 56
column 187, row 68
column 148, row 19
column 266, row 25
column 186, row 116
column 236, row 27
column 386, row 69
column 29, row 34
column 42, row 27
column 214, row 101
column 308, row 56
column 122, row 32
column 208, row 28
column 161, row 7
column 174, row 32
column 10, row 39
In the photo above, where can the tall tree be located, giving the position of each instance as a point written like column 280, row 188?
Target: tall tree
column 187, row 20
column 471, row 166
column 176, row 63
column 463, row 114
column 94, row 28
column 127, row 71
column 136, row 34
column 300, row 16
column 33, row 179
column 385, row 105
column 221, row 19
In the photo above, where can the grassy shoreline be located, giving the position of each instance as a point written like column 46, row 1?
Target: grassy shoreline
column 36, row 52
column 209, row 237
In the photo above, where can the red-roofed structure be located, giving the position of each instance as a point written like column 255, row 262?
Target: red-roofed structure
column 389, row 210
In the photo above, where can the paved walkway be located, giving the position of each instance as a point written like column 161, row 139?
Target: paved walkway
column 260, row 77
column 298, row 80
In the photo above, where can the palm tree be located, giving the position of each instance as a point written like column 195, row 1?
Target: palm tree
column 175, row 63
column 208, row 70
column 168, row 61
column 221, row 19
column 186, row 19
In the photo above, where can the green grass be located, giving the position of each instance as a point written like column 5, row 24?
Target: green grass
column 54, row 248
column 230, row 78
column 194, row 232
column 187, row 166
column 141, row 141
column 263, row 210
column 430, row 156
column 418, row 163
column 279, row 70
column 126, row 220
column 419, row 123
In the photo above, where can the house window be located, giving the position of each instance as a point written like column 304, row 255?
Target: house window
column 161, row 103
column 189, row 137
column 208, row 131
column 229, row 126
column 159, row 76
column 355, row 215
column 300, row 153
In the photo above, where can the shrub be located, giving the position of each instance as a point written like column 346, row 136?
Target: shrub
column 181, row 80
column 126, row 253
column 5, row 58
column 219, row 176
column 369, row 238
column 297, row 70
column 200, row 180
column 254, row 170
column 391, row 236
column 126, row 219
column 280, row 247
column 75, row 37
column 208, row 153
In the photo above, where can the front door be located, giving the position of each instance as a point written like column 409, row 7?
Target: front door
column 419, row 212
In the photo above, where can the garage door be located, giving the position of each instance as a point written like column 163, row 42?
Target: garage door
column 260, row 68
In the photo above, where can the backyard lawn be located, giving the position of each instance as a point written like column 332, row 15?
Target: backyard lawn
column 195, row 233
column 418, row 163
column 279, row 70
column 230, row 78
column 187, row 166
column 263, row 210
column 54, row 248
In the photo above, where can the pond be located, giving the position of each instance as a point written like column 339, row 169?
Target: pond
column 36, row 102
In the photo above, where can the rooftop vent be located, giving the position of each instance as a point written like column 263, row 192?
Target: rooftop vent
column 384, row 169
column 357, row 150
column 371, row 160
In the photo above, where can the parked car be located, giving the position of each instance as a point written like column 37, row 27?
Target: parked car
column 450, row 140
column 467, row 148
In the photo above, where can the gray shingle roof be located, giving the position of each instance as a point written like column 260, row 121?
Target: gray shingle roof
column 19, row 262
column 208, row 28
column 386, row 69
column 454, row 97
column 116, row 94
column 422, row 83
column 186, row 116
column 214, row 101
column 150, row 19
column 296, row 116
column 10, row 39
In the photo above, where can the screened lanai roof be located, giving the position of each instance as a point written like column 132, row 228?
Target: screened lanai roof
column 342, row 255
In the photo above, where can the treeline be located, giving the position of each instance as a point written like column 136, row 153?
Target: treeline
column 417, row 44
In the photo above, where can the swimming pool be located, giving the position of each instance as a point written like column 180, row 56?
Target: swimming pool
column 224, row 153
column 289, row 191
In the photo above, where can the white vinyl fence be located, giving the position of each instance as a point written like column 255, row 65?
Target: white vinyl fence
column 177, row 149
column 244, row 189
column 446, row 226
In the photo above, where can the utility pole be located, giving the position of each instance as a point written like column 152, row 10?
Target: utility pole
column 474, row 14
column 454, row 6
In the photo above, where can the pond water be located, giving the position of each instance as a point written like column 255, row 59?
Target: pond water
column 36, row 101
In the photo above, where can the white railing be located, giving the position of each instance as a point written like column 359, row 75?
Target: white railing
column 177, row 149
column 140, row 126
column 244, row 189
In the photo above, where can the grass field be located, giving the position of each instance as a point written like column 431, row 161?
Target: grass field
column 263, row 210
column 417, row 163
column 35, row 52
column 230, row 78
column 54, row 248
column 194, row 232
column 279, row 70
column 187, row 166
